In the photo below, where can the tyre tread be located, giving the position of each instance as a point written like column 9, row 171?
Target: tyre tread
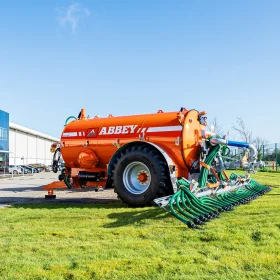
column 164, row 188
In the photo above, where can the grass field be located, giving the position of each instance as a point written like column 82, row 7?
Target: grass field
column 112, row 241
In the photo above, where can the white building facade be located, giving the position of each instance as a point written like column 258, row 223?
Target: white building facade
column 27, row 146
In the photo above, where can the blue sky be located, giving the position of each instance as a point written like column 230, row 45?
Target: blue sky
column 133, row 57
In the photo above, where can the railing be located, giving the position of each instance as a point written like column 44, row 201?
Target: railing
column 4, row 173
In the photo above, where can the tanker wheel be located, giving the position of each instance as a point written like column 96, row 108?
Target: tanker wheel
column 141, row 175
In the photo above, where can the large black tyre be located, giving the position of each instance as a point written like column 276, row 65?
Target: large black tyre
column 141, row 159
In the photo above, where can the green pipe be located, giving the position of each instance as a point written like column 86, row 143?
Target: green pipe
column 184, row 220
column 189, row 208
column 204, row 171
column 196, row 201
column 192, row 206
column 66, row 181
column 212, row 202
column 186, row 214
column 71, row 117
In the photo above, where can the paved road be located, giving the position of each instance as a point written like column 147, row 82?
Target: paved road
column 28, row 189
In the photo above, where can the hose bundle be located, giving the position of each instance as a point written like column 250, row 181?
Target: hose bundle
column 193, row 211
column 202, row 180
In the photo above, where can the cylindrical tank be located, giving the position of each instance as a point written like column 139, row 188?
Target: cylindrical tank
column 141, row 156
column 91, row 142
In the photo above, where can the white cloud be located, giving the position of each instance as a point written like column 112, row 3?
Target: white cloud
column 72, row 15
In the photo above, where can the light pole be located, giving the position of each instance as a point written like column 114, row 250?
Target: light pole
column 276, row 152
column 22, row 158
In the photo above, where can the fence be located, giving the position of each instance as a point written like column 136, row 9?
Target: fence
column 8, row 172
column 270, row 154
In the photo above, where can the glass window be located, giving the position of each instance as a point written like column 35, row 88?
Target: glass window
column 3, row 133
column 4, row 139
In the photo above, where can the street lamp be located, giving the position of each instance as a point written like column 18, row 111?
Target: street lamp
column 22, row 169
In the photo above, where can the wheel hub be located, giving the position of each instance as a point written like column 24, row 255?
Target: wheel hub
column 143, row 177
column 136, row 177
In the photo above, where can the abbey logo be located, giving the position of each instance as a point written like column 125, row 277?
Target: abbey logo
column 125, row 129
column 111, row 130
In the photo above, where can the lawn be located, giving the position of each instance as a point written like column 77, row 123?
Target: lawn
column 111, row 241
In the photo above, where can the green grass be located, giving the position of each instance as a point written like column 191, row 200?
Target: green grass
column 269, row 169
column 112, row 241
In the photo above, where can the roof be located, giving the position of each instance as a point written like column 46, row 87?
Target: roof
column 32, row 132
column 4, row 111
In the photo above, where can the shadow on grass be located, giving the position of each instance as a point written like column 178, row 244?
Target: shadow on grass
column 82, row 203
column 30, row 197
column 136, row 217
column 21, row 189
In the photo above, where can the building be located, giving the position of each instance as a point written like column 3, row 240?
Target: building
column 4, row 138
column 20, row 145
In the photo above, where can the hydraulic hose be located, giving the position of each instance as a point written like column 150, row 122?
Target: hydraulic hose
column 66, row 180
column 175, row 213
column 71, row 117
column 193, row 210
column 55, row 161
column 202, row 180
column 253, row 150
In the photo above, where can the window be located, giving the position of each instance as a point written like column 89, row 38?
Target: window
column 3, row 134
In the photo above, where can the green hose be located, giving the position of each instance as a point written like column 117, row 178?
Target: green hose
column 186, row 214
column 66, row 181
column 195, row 211
column 202, row 180
column 71, row 117
column 175, row 213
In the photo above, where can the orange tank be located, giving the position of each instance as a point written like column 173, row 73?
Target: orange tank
column 141, row 156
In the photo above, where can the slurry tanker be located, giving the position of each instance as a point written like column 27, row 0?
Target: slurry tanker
column 168, row 159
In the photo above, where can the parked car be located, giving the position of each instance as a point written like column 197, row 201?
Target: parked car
column 15, row 169
column 33, row 169
column 39, row 166
column 24, row 169
column 29, row 168
column 49, row 168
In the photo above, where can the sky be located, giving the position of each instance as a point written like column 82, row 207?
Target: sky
column 136, row 57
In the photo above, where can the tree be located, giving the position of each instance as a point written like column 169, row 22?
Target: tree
column 245, row 134
column 259, row 143
column 217, row 127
